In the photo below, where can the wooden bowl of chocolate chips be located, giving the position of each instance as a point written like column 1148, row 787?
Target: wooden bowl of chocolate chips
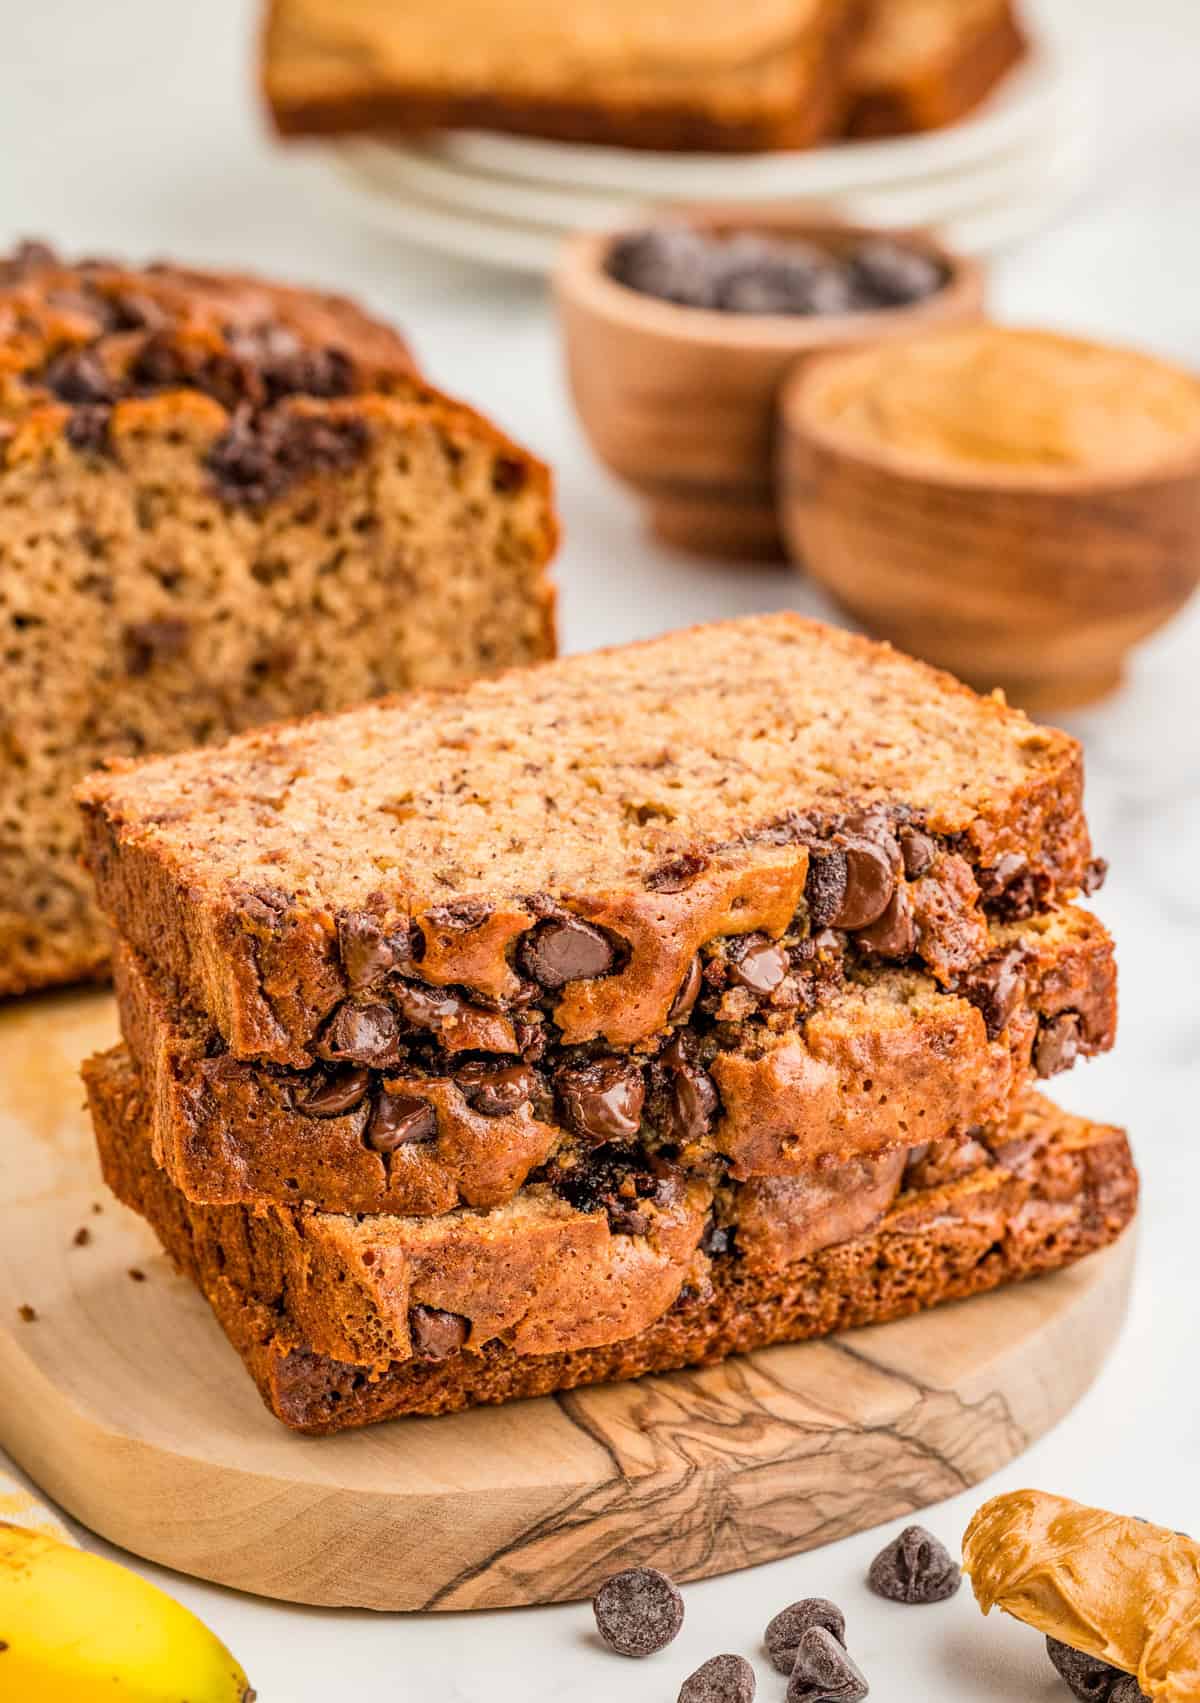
column 679, row 334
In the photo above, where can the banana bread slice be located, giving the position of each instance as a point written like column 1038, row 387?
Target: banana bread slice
column 666, row 74
column 395, row 1124
column 921, row 64
column 222, row 501
column 558, row 845
column 535, row 1297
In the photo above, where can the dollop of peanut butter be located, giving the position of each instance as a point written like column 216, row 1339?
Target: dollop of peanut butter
column 1114, row 1587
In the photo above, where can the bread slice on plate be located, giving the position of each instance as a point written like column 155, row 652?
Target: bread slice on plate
column 923, row 64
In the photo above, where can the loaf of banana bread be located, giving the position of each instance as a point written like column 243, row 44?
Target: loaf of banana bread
column 555, row 847
column 639, row 73
column 922, row 64
column 222, row 502
column 344, row 1320
column 394, row 1121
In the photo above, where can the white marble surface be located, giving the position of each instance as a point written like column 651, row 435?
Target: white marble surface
column 130, row 127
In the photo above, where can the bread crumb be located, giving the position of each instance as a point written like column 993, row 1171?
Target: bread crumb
column 82, row 1236
column 28, row 1313
column 137, row 1276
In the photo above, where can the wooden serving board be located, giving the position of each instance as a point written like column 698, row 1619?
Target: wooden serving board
column 124, row 1402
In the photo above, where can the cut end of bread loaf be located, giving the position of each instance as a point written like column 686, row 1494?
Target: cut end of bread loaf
column 240, row 502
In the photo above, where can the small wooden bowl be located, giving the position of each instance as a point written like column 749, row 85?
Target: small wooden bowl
column 679, row 402
column 1036, row 575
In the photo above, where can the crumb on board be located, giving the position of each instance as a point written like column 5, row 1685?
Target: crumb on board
column 137, row 1274
column 82, row 1236
column 28, row 1313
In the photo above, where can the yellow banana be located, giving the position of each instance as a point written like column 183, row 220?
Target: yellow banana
column 75, row 1628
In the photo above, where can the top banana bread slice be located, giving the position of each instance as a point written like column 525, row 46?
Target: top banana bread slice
column 638, row 73
column 222, row 501
column 922, row 64
column 569, row 836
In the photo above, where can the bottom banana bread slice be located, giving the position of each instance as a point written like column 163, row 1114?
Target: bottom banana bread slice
column 776, row 1260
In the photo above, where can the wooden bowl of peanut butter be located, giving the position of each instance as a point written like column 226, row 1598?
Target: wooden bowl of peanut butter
column 1018, row 506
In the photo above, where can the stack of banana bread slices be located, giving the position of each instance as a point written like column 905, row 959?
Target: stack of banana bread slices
column 616, row 1014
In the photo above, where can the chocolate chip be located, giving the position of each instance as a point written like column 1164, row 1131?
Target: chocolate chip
column 1057, row 1045
column 366, row 1032
column 494, row 1091
column 692, row 1099
column 1087, row 1677
column 783, row 1634
column 824, row 1673
column 870, row 883
column 400, row 1120
column 721, row 1679
column 716, row 1241
column 565, row 949
column 460, row 916
column 825, row 887
column 436, row 1334
column 428, row 1007
column 918, row 852
column 996, row 986
column 672, row 262
column 1094, row 876
column 368, row 952
column 894, row 933
column 915, row 1568
column 892, row 274
column 688, row 992
column 261, row 455
column 676, row 874
column 638, row 1611
column 757, row 963
column 79, row 375
column 625, row 1220
column 602, row 1099
column 997, row 878
column 330, row 1094
column 87, row 429
column 148, row 642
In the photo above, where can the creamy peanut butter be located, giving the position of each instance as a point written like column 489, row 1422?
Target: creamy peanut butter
column 998, row 396
column 1114, row 1587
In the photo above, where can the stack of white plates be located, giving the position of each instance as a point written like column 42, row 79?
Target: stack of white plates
column 508, row 201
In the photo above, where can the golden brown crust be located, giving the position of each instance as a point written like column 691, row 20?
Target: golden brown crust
column 595, row 837
column 1072, row 1189
column 790, row 93
column 966, row 58
column 243, row 502
column 884, row 1065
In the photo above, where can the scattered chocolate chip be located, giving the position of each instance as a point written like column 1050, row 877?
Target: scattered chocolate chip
column 400, row 1120
column 757, row 963
column 870, row 883
column 82, row 1237
column 1057, row 1045
column 565, row 949
column 331, row 1094
column 918, row 852
column 894, row 933
column 783, row 1634
column 26, row 1313
column 996, row 986
column 689, row 990
column 368, row 951
column 435, row 1333
column 915, row 1567
column 148, row 642
column 676, row 874
column 671, row 262
column 638, row 1611
column 602, row 1099
column 721, row 1679
column 1087, row 1677
column 136, row 1274
column 364, row 1032
column 495, row 1090
column 824, row 1673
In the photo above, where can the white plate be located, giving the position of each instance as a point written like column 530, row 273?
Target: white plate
column 1023, row 103
column 974, row 224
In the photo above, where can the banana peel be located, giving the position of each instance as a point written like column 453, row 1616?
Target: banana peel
column 75, row 1628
